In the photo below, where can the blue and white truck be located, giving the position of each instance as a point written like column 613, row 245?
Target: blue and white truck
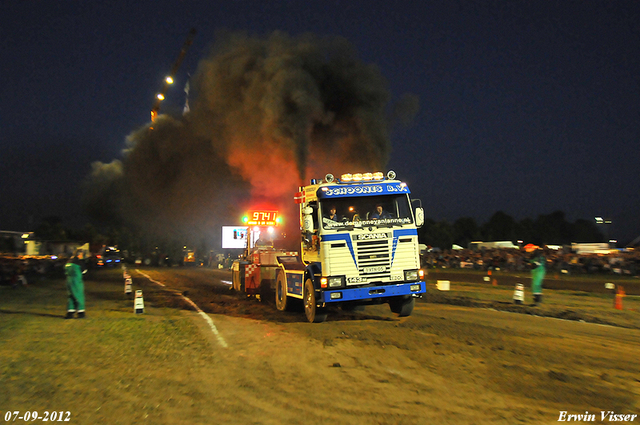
column 359, row 246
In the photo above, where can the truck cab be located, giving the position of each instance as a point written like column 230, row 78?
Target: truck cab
column 359, row 245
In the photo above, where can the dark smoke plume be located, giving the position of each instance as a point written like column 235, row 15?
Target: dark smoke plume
column 266, row 114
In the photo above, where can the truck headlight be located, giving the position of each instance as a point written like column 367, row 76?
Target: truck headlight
column 335, row 281
column 411, row 275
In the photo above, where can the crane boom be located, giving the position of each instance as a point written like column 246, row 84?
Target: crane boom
column 174, row 69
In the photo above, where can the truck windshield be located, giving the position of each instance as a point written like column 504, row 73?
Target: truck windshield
column 380, row 211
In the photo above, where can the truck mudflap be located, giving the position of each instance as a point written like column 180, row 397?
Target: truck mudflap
column 368, row 292
column 294, row 270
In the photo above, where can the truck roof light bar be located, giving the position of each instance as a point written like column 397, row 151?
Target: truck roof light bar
column 361, row 177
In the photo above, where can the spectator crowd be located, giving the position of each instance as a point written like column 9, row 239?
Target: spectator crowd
column 559, row 261
column 21, row 270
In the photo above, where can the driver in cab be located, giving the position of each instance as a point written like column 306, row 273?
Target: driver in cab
column 332, row 217
column 380, row 213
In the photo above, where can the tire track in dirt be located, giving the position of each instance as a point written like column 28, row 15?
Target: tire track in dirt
column 212, row 326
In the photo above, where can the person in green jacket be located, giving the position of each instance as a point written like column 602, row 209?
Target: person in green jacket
column 538, row 270
column 75, row 285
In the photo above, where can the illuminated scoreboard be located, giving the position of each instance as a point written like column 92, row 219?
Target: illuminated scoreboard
column 262, row 218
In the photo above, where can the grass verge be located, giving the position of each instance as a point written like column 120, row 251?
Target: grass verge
column 111, row 364
column 562, row 304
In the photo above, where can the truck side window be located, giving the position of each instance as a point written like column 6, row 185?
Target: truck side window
column 310, row 239
column 314, row 205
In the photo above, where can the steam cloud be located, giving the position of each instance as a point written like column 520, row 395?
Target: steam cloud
column 266, row 114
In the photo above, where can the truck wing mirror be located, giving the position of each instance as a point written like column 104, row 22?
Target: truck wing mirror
column 307, row 222
column 419, row 217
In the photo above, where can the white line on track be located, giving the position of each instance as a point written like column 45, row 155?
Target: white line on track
column 206, row 317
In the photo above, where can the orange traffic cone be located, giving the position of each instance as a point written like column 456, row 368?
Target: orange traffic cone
column 495, row 282
column 619, row 294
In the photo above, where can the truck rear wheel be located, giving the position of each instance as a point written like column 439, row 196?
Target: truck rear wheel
column 314, row 314
column 402, row 306
column 283, row 303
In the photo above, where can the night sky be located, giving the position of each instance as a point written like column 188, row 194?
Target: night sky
column 525, row 107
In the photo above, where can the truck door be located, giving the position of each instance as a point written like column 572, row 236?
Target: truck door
column 310, row 239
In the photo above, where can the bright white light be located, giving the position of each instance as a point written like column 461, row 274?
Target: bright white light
column 169, row 80
column 160, row 96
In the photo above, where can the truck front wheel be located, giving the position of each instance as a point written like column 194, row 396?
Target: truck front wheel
column 402, row 306
column 314, row 314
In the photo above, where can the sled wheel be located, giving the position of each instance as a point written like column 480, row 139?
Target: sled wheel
column 236, row 281
column 314, row 314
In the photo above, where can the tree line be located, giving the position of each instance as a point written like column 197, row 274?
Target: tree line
column 549, row 229
column 52, row 228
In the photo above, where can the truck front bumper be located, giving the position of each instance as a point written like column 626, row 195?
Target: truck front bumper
column 368, row 292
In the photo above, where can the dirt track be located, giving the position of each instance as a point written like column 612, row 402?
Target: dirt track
column 444, row 364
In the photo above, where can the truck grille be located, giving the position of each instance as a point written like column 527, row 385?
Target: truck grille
column 374, row 258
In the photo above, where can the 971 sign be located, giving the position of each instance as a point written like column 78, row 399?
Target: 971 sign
column 262, row 218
